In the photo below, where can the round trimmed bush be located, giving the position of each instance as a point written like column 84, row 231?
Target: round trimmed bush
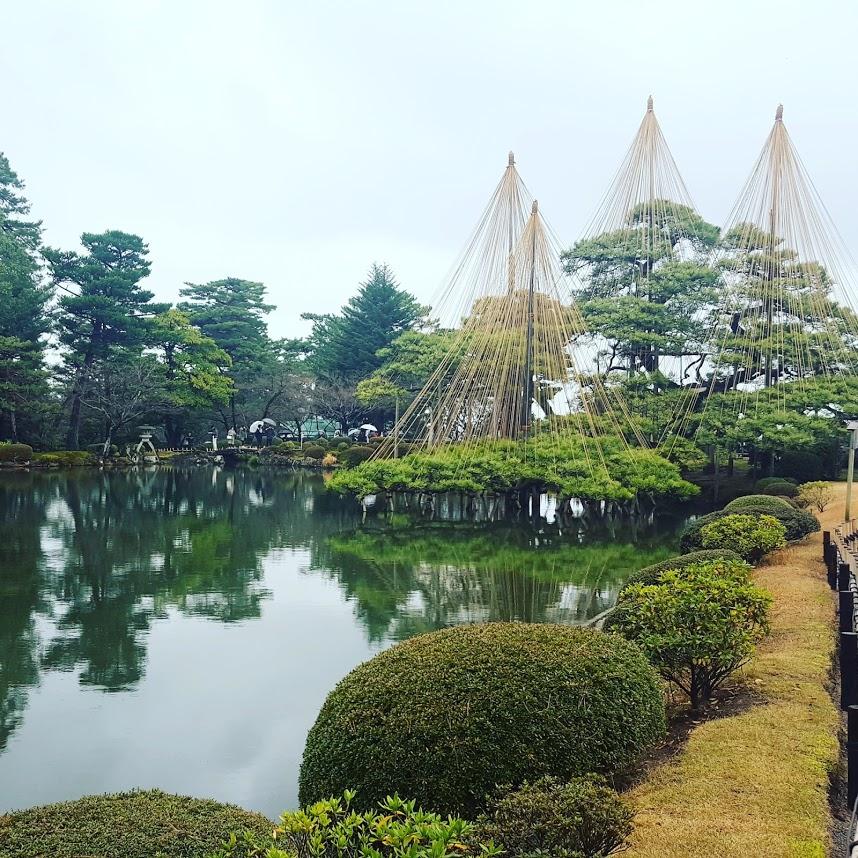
column 690, row 538
column 798, row 522
column 651, row 574
column 584, row 817
column 445, row 716
column 768, row 481
column 353, row 456
column 16, row 453
column 752, row 536
column 782, row 489
column 132, row 824
column 313, row 451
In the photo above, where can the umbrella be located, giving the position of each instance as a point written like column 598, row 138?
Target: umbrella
column 256, row 426
column 269, row 422
column 352, row 432
column 369, row 427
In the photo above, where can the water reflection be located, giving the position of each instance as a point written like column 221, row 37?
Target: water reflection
column 90, row 562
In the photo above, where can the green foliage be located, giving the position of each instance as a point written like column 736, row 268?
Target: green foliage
column 15, row 452
column 816, row 494
column 697, row 625
column 346, row 346
column 353, row 456
column 446, row 715
column 313, row 451
column 798, row 522
column 331, row 828
column 131, row 825
column 750, row 536
column 584, row 817
column 65, row 459
column 568, row 466
column 652, row 574
column 780, row 489
column 768, row 481
column 801, row 465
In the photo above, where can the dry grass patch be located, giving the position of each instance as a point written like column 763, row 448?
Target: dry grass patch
column 756, row 783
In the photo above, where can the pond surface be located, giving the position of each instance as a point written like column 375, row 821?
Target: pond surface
column 181, row 628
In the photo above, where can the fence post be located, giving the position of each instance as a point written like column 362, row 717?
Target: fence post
column 843, row 573
column 852, row 756
column 826, row 541
column 848, row 669
column 846, row 611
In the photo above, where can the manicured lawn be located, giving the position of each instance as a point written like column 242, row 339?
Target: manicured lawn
column 756, row 783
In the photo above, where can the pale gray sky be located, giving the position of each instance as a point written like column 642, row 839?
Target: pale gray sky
column 296, row 143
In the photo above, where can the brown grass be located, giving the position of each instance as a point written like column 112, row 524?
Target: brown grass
column 756, row 783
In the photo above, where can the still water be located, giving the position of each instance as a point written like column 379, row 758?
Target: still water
column 181, row 628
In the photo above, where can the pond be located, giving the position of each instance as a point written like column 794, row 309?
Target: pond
column 180, row 628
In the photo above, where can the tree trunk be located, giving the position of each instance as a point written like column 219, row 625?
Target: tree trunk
column 13, row 425
column 73, row 434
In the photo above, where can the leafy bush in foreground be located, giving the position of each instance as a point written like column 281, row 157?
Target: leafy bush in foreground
column 131, row 825
column 583, row 817
column 651, row 574
column 445, row 716
column 750, row 536
column 697, row 626
column 332, row 829
column 797, row 522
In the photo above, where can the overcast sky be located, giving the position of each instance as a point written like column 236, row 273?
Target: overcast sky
column 297, row 142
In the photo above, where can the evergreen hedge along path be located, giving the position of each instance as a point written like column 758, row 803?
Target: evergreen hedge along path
column 756, row 783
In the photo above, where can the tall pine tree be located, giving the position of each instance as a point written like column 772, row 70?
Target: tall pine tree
column 103, row 307
column 23, row 302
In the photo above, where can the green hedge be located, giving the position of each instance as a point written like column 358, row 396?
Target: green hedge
column 65, row 459
column 781, row 489
column 130, row 825
column 15, row 452
column 313, row 451
column 352, row 456
column 583, row 817
column 751, row 535
column 651, row 574
column 767, row 481
column 445, row 716
column 798, row 522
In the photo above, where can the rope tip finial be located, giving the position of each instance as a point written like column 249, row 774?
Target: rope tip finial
column 649, row 105
column 779, row 113
column 511, row 158
column 535, row 207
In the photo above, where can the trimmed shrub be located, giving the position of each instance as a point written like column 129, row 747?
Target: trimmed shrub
column 651, row 574
column 353, row 456
column 696, row 626
column 816, row 494
column 584, row 817
column 767, row 481
column 313, row 451
column 20, row 453
column 131, row 824
column 781, row 489
column 332, row 829
column 798, row 522
column 690, row 539
column 445, row 716
column 65, row 459
column 751, row 536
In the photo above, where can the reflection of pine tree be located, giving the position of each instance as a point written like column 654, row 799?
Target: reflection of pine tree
column 408, row 580
column 22, row 513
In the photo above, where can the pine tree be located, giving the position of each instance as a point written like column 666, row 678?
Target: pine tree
column 23, row 301
column 103, row 307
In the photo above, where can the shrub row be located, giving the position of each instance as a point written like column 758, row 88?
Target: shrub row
column 19, row 453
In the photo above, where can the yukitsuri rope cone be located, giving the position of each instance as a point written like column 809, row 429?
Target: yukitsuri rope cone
column 787, row 317
column 645, row 238
column 511, row 372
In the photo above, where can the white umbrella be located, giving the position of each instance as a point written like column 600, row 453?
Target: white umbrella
column 352, row 432
column 369, row 427
column 256, row 426
column 269, row 422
